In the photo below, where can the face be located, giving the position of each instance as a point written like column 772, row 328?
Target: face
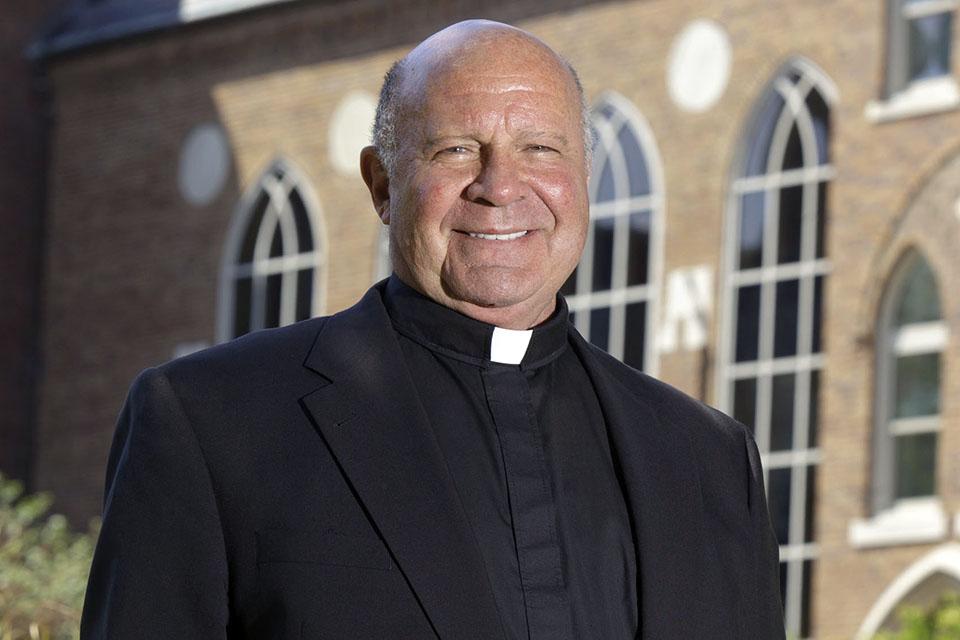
column 488, row 208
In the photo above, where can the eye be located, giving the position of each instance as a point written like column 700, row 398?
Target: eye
column 541, row 148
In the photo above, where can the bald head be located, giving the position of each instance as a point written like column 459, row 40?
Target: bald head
column 464, row 47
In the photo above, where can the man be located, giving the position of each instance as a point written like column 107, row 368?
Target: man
column 448, row 458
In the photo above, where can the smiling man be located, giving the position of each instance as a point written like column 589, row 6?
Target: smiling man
column 448, row 458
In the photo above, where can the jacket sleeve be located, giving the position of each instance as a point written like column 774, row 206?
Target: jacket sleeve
column 159, row 569
column 769, row 607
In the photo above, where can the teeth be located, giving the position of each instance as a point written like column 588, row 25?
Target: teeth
column 498, row 236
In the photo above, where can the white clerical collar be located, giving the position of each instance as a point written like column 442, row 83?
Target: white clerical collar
column 508, row 346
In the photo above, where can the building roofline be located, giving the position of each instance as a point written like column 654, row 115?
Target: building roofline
column 54, row 42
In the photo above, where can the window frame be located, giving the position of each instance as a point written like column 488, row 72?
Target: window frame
column 288, row 264
column 620, row 294
column 801, row 459
column 903, row 97
column 892, row 343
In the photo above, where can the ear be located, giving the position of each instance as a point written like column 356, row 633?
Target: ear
column 378, row 182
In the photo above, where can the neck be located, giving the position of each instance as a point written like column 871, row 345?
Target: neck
column 521, row 316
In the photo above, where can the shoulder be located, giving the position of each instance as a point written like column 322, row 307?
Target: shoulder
column 675, row 409
column 250, row 359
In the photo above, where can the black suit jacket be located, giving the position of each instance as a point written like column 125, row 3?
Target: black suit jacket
column 288, row 485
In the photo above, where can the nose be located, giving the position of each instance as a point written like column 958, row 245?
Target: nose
column 498, row 183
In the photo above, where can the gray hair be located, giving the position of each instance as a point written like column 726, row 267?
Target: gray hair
column 386, row 124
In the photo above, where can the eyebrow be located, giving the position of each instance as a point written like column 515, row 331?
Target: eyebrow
column 525, row 136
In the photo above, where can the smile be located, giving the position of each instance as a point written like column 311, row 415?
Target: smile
column 498, row 236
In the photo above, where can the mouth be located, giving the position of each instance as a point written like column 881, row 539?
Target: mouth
column 498, row 236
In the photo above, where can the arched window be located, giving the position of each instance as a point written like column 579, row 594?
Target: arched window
column 612, row 293
column 775, row 264
column 911, row 337
column 273, row 260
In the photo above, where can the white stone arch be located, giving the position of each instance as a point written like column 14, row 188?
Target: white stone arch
column 277, row 181
column 942, row 560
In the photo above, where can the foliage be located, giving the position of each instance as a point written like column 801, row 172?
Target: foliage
column 43, row 568
column 940, row 622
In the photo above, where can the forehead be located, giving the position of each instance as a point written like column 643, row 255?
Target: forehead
column 518, row 82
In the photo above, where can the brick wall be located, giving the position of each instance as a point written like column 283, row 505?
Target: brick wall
column 132, row 269
column 21, row 221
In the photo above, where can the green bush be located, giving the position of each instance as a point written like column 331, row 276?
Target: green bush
column 43, row 568
column 939, row 622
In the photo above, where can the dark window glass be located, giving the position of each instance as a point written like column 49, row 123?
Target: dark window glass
column 784, row 567
column 745, row 402
column 600, row 327
column 781, row 412
column 758, row 147
column 638, row 257
column 778, row 499
column 918, row 386
column 636, row 163
column 253, row 227
column 916, row 465
column 304, row 294
column 814, row 412
column 304, row 233
column 272, row 301
column 791, row 222
column 793, row 155
column 241, row 307
column 570, row 286
column 607, row 111
column 809, row 526
column 633, row 340
column 751, row 230
column 805, row 601
column 785, row 318
column 919, row 301
column 606, row 188
column 820, row 114
column 929, row 45
column 816, row 347
column 821, row 218
column 748, row 322
column 602, row 253
column 276, row 243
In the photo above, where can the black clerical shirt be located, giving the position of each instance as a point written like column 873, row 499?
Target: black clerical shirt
column 527, row 448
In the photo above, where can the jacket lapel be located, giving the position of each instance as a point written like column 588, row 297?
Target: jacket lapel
column 661, row 486
column 371, row 419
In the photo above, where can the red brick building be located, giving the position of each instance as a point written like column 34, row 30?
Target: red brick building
column 775, row 230
column 24, row 113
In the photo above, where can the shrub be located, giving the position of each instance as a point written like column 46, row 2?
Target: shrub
column 43, row 568
column 939, row 622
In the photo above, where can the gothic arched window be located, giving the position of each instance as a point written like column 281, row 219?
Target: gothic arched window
column 771, row 351
column 273, row 262
column 911, row 337
column 612, row 293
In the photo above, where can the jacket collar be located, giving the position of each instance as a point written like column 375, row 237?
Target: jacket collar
column 389, row 454
column 371, row 419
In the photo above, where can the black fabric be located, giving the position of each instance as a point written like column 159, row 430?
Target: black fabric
column 289, row 485
column 528, row 452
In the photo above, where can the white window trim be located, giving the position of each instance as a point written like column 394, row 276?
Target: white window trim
column 910, row 339
column 908, row 521
column 919, row 98
column 620, row 294
column 802, row 458
column 230, row 270
column 905, row 98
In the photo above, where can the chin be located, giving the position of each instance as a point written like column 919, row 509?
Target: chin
column 492, row 290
